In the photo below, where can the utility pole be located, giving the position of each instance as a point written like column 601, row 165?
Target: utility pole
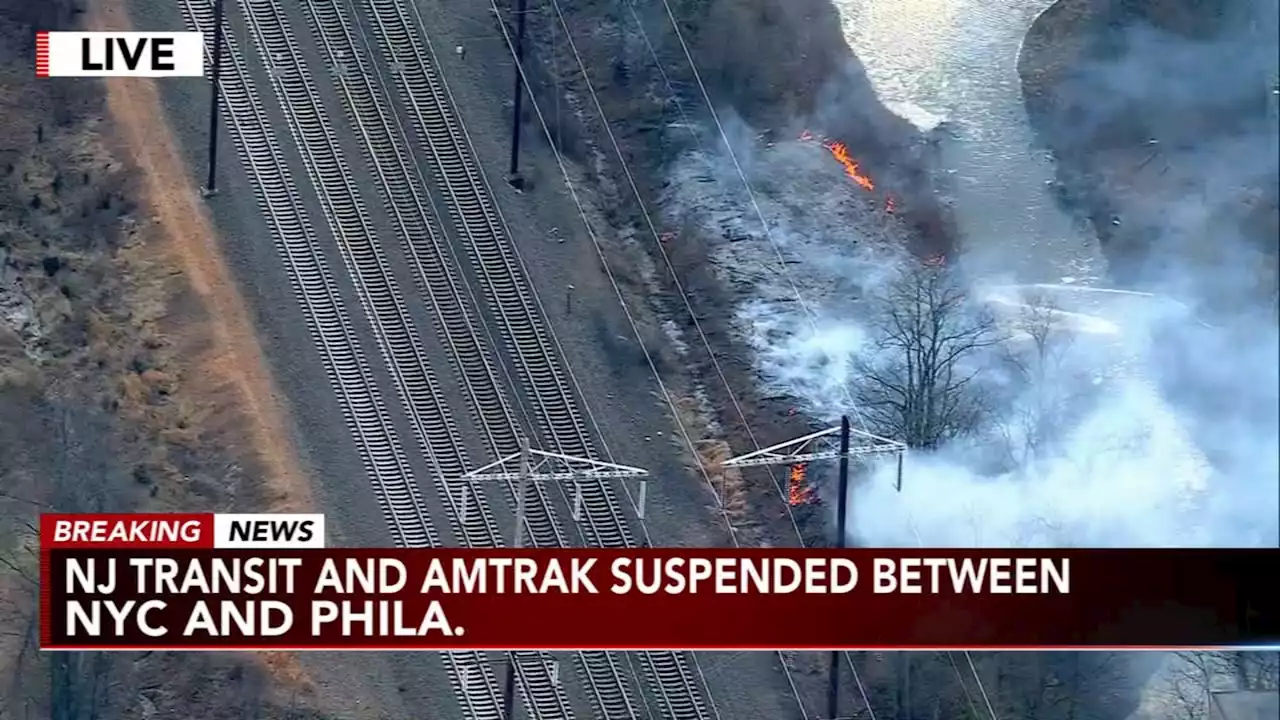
column 517, row 541
column 215, row 95
column 905, row 662
column 807, row 449
column 842, row 512
column 574, row 470
column 513, row 178
column 842, row 519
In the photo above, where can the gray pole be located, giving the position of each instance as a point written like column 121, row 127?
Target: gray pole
column 517, row 541
column 514, row 178
column 210, row 186
column 842, row 519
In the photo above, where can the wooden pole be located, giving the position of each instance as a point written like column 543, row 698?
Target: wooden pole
column 518, row 97
column 842, row 519
column 517, row 541
column 215, row 95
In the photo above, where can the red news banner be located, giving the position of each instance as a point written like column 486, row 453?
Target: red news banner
column 267, row 582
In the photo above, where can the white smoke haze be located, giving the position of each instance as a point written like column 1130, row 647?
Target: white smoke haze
column 1172, row 434
column 1128, row 469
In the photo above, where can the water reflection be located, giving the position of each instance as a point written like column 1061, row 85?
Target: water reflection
column 957, row 60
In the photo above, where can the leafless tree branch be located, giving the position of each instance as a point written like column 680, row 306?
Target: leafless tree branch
column 919, row 378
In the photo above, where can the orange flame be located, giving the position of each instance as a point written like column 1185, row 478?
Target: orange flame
column 841, row 152
column 797, row 490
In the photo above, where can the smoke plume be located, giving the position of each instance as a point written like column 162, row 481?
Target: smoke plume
column 1172, row 438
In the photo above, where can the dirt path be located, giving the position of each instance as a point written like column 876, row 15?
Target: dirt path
column 235, row 358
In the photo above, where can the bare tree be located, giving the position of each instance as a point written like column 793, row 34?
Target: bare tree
column 1244, row 670
column 1190, row 678
column 1038, row 356
column 1056, row 685
column 918, row 382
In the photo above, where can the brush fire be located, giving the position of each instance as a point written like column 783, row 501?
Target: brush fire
column 798, row 492
column 840, row 152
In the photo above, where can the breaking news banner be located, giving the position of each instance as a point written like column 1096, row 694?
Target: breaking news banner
column 266, row 582
column 262, row 531
column 119, row 54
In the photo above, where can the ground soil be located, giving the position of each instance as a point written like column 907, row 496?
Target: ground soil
column 747, row 53
column 230, row 371
column 233, row 364
column 206, row 347
column 776, row 94
column 746, row 56
column 1140, row 146
column 141, row 384
column 745, row 59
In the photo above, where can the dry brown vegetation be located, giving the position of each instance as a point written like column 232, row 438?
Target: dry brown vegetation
column 727, row 482
column 110, row 392
column 775, row 64
column 770, row 61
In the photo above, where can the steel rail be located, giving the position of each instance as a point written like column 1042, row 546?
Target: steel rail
column 406, row 202
column 513, row 302
column 402, row 348
column 346, row 368
column 437, row 278
column 403, row 196
column 276, row 193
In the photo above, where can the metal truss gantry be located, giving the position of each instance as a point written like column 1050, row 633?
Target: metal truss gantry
column 540, row 466
column 817, row 446
column 543, row 466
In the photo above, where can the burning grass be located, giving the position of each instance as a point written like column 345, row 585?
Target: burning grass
column 840, row 152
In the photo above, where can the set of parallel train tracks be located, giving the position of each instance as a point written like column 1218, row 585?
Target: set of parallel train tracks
column 386, row 145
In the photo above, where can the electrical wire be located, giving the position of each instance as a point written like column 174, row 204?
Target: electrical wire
column 688, row 124
column 755, row 205
column 963, row 685
column 549, row 327
column 977, row 679
column 981, row 689
column 598, row 245
column 733, row 398
column 769, row 235
column 652, row 227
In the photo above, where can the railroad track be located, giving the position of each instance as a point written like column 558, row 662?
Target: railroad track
column 406, row 200
column 402, row 193
column 404, row 44
column 364, row 411
column 470, row 673
column 397, row 338
column 367, row 416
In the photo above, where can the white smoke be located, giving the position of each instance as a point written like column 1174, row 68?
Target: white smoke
column 1127, row 471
